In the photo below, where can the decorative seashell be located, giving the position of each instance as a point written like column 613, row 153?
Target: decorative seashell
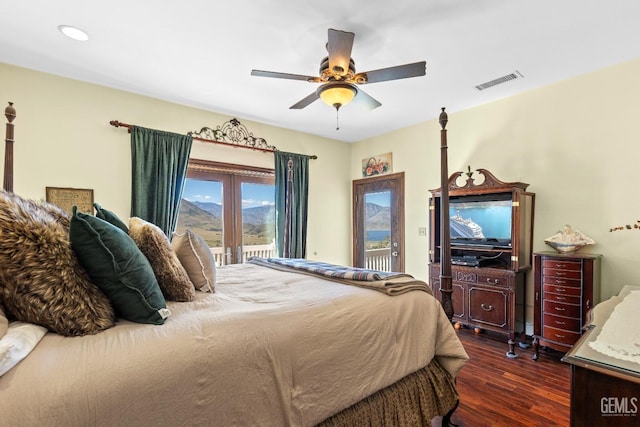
column 569, row 240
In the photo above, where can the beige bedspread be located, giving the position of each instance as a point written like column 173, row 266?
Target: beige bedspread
column 268, row 348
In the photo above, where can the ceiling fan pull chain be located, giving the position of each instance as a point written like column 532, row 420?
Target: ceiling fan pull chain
column 337, row 119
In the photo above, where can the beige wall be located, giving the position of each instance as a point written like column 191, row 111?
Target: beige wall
column 577, row 144
column 63, row 139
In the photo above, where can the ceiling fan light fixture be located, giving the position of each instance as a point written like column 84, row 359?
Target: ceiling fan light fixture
column 337, row 95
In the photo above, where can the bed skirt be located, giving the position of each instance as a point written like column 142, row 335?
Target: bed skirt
column 412, row 401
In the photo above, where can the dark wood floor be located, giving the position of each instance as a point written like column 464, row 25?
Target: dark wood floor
column 498, row 391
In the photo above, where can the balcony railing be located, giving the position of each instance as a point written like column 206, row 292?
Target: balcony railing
column 264, row 251
column 378, row 259
column 375, row 259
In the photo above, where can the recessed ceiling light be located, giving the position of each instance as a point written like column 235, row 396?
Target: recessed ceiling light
column 73, row 33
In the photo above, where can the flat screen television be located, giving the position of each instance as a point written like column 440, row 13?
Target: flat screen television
column 483, row 220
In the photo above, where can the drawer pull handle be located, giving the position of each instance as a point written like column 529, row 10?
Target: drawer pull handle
column 559, row 308
column 485, row 308
column 561, row 298
column 559, row 336
column 560, row 282
column 560, row 273
column 560, row 323
column 493, row 281
column 561, row 290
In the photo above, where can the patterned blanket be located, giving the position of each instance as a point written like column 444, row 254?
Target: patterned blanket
column 387, row 282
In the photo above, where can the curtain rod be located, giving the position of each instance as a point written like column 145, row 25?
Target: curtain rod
column 209, row 131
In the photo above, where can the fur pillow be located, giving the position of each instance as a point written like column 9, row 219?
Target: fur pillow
column 171, row 275
column 41, row 280
column 196, row 257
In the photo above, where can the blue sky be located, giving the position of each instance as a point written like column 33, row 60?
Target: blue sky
column 381, row 199
column 253, row 195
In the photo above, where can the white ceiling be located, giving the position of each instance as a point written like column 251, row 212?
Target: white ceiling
column 201, row 53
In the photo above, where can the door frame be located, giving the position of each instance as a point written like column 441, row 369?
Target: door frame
column 393, row 182
column 232, row 176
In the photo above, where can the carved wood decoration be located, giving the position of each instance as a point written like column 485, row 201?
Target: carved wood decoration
column 490, row 182
column 445, row 244
column 10, row 114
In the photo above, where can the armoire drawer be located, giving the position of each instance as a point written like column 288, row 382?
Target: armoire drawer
column 566, row 323
column 565, row 310
column 562, row 264
column 562, row 290
column 561, row 281
column 560, row 335
column 564, row 274
column 566, row 299
column 488, row 305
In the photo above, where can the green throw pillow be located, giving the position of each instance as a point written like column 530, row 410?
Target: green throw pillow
column 118, row 268
column 110, row 217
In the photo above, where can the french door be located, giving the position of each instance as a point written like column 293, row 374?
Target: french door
column 232, row 208
column 378, row 222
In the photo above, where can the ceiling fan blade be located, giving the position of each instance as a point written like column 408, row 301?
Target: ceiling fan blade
column 339, row 47
column 304, row 101
column 277, row 75
column 367, row 101
column 392, row 73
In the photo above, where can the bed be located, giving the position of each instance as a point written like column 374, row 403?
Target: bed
column 261, row 343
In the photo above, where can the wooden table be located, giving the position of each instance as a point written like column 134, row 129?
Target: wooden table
column 605, row 391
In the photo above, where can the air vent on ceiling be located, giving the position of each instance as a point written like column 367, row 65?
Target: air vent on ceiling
column 500, row 80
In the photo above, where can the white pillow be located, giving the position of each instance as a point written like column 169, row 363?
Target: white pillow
column 196, row 257
column 4, row 323
column 18, row 342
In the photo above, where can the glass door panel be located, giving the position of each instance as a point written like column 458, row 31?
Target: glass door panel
column 377, row 230
column 202, row 211
column 258, row 220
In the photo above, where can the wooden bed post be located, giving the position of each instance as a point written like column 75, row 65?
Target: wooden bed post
column 10, row 114
column 445, row 238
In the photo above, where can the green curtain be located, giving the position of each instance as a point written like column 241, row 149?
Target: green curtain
column 159, row 169
column 292, row 188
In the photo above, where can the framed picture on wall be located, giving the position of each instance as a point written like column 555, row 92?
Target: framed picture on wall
column 67, row 198
column 377, row 165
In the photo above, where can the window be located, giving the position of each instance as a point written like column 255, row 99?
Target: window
column 232, row 207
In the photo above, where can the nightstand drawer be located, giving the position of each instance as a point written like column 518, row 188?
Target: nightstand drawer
column 566, row 310
column 560, row 335
column 566, row 323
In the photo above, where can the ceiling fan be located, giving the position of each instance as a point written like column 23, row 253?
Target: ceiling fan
column 338, row 77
